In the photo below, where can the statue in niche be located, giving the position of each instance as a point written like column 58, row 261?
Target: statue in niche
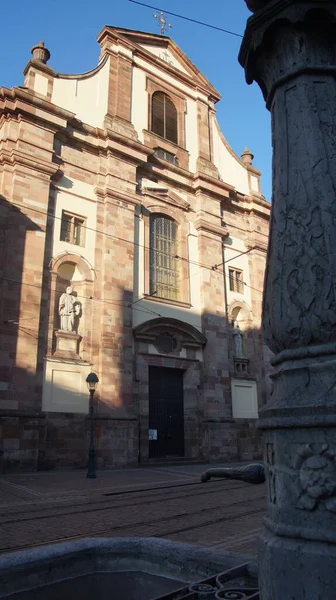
column 68, row 309
column 238, row 340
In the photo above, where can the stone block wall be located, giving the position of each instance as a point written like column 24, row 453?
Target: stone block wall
column 249, row 440
column 20, row 441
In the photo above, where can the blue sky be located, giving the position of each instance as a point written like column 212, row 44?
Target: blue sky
column 69, row 29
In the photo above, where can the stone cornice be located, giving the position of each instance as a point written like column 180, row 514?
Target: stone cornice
column 13, row 157
column 105, row 192
column 168, row 197
column 39, row 66
column 206, row 226
column 19, row 100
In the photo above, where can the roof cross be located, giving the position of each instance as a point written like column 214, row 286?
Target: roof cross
column 163, row 23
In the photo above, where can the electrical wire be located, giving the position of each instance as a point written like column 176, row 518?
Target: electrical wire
column 167, row 12
column 114, row 237
column 109, row 235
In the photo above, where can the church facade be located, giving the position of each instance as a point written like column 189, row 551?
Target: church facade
column 133, row 245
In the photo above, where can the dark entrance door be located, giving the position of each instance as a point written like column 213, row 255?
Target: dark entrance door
column 166, row 412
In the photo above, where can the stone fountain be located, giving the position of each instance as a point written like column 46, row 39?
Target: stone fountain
column 289, row 49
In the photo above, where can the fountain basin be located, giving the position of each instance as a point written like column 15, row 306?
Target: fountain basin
column 102, row 568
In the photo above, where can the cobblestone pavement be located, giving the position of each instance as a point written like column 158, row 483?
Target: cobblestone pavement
column 169, row 502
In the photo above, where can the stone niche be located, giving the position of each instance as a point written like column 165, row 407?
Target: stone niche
column 71, row 286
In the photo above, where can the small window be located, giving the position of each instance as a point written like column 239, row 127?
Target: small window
column 72, row 229
column 164, row 268
column 236, row 281
column 168, row 156
column 164, row 117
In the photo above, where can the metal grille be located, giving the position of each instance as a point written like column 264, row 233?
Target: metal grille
column 164, row 280
column 166, row 343
column 164, row 117
column 236, row 583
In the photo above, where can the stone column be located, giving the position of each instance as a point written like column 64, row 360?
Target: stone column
column 289, row 49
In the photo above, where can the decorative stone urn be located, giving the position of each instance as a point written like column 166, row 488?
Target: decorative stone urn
column 289, row 49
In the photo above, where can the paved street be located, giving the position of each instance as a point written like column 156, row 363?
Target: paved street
column 169, row 502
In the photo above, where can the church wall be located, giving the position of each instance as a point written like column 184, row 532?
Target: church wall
column 98, row 175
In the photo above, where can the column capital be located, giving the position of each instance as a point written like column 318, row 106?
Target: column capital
column 285, row 38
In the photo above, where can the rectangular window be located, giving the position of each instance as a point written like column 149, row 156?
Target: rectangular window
column 236, row 281
column 72, row 229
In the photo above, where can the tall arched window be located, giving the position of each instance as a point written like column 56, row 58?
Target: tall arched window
column 164, row 117
column 164, row 273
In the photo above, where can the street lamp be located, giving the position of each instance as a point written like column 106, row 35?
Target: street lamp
column 91, row 381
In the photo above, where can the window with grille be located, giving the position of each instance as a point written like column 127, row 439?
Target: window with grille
column 236, row 281
column 164, row 117
column 72, row 229
column 164, row 272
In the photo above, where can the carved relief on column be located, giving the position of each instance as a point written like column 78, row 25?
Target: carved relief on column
column 289, row 48
column 300, row 301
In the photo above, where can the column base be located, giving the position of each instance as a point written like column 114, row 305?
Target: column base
column 295, row 569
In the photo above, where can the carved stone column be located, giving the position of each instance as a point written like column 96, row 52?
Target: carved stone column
column 289, row 49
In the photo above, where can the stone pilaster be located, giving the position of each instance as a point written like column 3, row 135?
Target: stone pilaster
column 118, row 117
column 289, row 48
column 204, row 160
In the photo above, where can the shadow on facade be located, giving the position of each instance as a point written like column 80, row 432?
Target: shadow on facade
column 129, row 360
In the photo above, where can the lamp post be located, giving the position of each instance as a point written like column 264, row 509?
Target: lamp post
column 91, row 381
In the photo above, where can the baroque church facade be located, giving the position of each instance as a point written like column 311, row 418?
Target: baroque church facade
column 133, row 245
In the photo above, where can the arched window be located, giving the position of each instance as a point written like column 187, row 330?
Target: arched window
column 164, row 117
column 164, row 273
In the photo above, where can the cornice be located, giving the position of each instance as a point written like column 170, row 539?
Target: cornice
column 169, row 197
column 105, row 192
column 14, row 157
column 203, row 225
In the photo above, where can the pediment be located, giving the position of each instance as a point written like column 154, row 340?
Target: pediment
column 161, row 192
column 154, row 330
column 165, row 52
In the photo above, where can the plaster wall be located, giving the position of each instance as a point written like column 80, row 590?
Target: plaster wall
column 228, row 165
column 79, row 199
column 64, row 387
column 139, row 110
column 86, row 96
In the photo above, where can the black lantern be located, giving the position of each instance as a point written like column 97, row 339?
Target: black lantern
column 91, row 381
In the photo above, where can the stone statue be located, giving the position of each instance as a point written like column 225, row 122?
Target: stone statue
column 238, row 341
column 68, row 308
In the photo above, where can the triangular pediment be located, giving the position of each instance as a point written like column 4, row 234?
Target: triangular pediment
column 166, row 54
column 161, row 192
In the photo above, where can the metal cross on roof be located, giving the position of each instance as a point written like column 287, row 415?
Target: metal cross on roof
column 164, row 25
